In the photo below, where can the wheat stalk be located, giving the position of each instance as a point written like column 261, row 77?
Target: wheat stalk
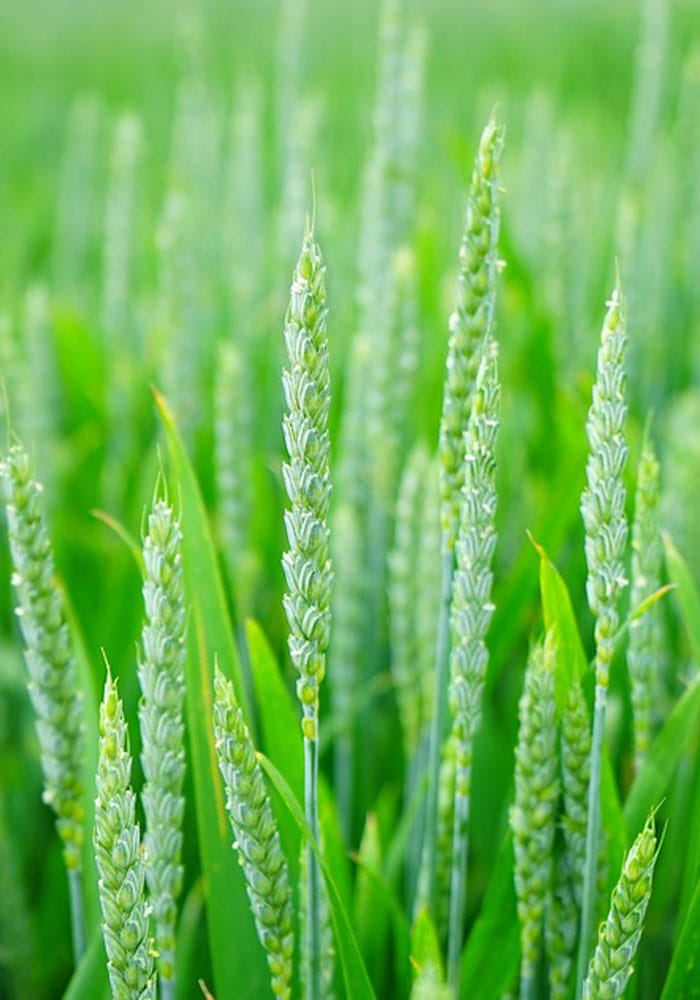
column 306, row 564
column 470, row 324
column 603, row 510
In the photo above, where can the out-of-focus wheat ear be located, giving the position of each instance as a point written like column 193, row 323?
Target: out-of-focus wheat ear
column 612, row 963
column 257, row 839
column 233, row 470
column 533, row 815
column 120, row 865
column 603, row 510
column 53, row 676
column 345, row 651
column 161, row 717
column 646, row 641
column 76, row 213
column 405, row 586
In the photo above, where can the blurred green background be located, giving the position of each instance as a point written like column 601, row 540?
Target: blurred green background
column 585, row 181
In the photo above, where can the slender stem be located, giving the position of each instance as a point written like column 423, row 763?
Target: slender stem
column 527, row 983
column 77, row 913
column 168, row 989
column 458, row 876
column 313, row 874
column 590, row 870
column 437, row 728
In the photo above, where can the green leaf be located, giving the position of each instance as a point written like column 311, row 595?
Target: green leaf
column 388, row 902
column 236, row 954
column 427, row 960
column 683, row 980
column 491, row 958
column 651, row 782
column 357, row 983
column 688, row 597
column 369, row 914
column 90, row 980
column 570, row 665
column 560, row 621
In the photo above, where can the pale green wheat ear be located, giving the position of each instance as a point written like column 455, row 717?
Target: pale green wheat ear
column 257, row 839
column 53, row 676
column 646, row 652
column 472, row 608
column 471, row 318
column 618, row 938
column 161, row 718
column 603, row 510
column 307, row 565
column 532, row 817
column 119, row 860
column 470, row 326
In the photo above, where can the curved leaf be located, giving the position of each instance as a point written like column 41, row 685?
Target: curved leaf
column 357, row 983
column 236, row 953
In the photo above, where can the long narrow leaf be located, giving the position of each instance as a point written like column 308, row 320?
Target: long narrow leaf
column 357, row 983
column 660, row 765
column 683, row 980
column 688, row 597
column 236, row 954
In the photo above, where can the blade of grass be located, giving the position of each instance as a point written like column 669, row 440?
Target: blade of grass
column 652, row 781
column 210, row 639
column 89, row 981
column 688, row 597
column 357, row 983
column 683, row 978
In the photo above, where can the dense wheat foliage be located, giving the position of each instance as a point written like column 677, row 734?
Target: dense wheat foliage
column 350, row 409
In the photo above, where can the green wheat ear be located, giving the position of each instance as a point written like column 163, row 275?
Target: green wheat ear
column 119, row 860
column 471, row 319
column 53, row 676
column 257, row 839
column 161, row 717
column 532, row 818
column 618, row 938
